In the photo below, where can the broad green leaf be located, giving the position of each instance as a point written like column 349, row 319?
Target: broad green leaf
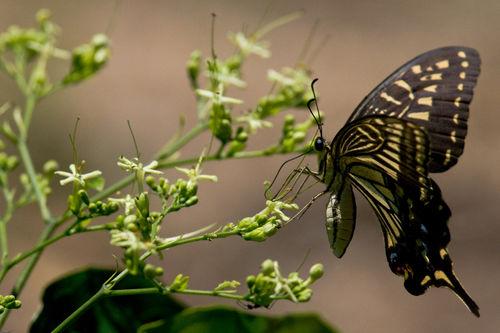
column 219, row 319
column 109, row 315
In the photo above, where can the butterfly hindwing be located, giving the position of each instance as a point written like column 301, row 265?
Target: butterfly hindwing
column 433, row 90
column 341, row 218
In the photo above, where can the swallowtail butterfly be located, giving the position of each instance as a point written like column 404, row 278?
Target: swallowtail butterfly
column 412, row 124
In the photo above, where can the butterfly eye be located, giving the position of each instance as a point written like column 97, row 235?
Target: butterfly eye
column 319, row 144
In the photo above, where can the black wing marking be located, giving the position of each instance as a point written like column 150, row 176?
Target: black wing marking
column 433, row 90
column 393, row 177
column 341, row 218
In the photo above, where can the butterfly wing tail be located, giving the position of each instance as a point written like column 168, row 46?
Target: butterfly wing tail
column 447, row 278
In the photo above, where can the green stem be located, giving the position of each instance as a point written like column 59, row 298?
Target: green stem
column 170, row 148
column 4, row 246
column 105, row 289
column 145, row 291
column 187, row 240
column 23, row 277
column 79, row 311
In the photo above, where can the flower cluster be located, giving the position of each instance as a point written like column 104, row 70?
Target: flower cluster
column 137, row 229
column 270, row 285
column 9, row 302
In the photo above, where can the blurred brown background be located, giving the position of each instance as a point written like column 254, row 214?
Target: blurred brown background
column 145, row 82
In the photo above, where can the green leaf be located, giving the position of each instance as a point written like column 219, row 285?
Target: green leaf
column 109, row 315
column 222, row 319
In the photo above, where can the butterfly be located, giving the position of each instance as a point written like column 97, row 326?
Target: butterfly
column 412, row 124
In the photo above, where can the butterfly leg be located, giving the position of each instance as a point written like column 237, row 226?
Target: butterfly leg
column 302, row 211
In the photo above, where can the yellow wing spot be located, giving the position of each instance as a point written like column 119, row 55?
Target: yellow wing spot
column 460, row 86
column 443, row 64
column 416, row 69
column 462, row 75
column 425, row 101
column 455, row 118
column 432, row 77
column 432, row 88
column 389, row 98
column 443, row 253
column 461, row 54
column 419, row 115
column 447, row 156
column 429, row 69
column 465, row 64
column 453, row 136
column 426, row 279
column 457, row 101
column 440, row 275
column 404, row 111
column 405, row 86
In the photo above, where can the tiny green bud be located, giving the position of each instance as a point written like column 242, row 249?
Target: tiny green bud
column 8, row 132
column 130, row 219
column 191, row 201
column 267, row 267
column 316, row 271
column 132, row 227
column 149, row 271
column 289, row 120
column 159, row 271
column 247, row 223
column 180, row 283
column 84, row 196
column 50, row 167
column 9, row 299
column 43, row 15
column 299, row 136
column 142, row 204
column 193, row 67
column 305, row 295
column 150, row 181
column 261, row 218
column 250, row 281
column 256, row 235
column 112, row 207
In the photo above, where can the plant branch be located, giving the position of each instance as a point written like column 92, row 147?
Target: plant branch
column 167, row 290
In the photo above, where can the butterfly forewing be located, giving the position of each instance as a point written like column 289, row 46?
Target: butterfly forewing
column 433, row 90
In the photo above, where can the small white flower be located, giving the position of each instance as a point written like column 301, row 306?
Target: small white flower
column 218, row 98
column 250, row 45
column 195, row 174
column 254, row 123
column 75, row 176
column 135, row 165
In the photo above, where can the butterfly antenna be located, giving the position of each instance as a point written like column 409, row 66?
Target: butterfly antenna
column 320, row 124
